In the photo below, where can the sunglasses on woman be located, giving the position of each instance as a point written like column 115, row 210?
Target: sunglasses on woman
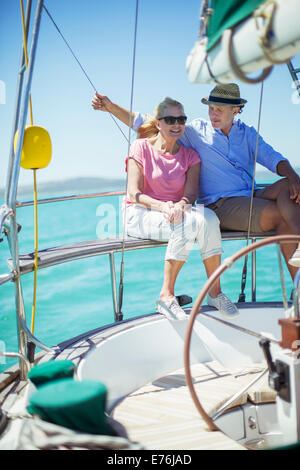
column 172, row 119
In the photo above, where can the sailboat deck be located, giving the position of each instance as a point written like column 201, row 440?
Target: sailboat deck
column 162, row 415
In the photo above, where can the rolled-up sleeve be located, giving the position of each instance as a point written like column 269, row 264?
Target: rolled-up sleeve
column 139, row 119
column 266, row 155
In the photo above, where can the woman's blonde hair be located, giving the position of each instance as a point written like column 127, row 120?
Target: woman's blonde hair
column 148, row 128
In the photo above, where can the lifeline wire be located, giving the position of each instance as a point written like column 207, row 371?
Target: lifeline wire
column 78, row 62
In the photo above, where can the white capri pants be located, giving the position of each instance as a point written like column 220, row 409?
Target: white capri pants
column 200, row 225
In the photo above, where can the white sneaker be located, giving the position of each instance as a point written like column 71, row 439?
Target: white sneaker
column 295, row 259
column 171, row 309
column 224, row 305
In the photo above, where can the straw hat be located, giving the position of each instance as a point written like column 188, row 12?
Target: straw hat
column 225, row 95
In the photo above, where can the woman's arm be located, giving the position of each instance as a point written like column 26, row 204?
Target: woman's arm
column 135, row 190
column 190, row 193
column 136, row 186
column 103, row 103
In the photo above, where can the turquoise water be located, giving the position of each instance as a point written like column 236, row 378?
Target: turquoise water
column 76, row 297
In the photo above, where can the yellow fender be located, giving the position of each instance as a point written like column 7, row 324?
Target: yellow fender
column 37, row 148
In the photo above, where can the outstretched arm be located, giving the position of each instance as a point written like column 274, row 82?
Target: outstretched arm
column 103, row 103
column 285, row 169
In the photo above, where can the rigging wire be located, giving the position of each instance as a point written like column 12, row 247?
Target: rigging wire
column 26, row 53
column 244, row 274
column 80, row 65
column 119, row 313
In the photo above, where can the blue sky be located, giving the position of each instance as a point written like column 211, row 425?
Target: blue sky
column 86, row 142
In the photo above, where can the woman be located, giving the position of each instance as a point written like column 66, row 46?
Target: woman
column 162, row 186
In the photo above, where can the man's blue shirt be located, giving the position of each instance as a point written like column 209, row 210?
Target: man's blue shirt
column 227, row 162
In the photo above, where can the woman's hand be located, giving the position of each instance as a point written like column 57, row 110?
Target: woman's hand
column 178, row 212
column 174, row 213
column 101, row 102
column 167, row 208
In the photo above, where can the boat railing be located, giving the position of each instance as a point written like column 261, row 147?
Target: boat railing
column 53, row 256
column 109, row 246
column 85, row 196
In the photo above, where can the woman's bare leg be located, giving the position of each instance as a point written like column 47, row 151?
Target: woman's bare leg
column 172, row 268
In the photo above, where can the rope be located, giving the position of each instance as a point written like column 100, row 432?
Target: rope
column 119, row 313
column 267, row 13
column 228, row 36
column 78, row 62
column 242, row 297
column 35, row 252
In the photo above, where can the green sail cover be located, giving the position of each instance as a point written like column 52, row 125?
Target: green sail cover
column 226, row 14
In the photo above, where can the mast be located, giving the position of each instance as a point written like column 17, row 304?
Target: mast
column 13, row 176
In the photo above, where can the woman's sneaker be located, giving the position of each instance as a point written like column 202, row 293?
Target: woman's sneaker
column 224, row 305
column 171, row 309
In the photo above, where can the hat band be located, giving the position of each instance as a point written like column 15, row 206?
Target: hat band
column 224, row 100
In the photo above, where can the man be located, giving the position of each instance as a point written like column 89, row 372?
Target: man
column 227, row 148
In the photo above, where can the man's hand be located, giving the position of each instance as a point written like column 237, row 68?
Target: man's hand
column 285, row 169
column 294, row 186
column 101, row 102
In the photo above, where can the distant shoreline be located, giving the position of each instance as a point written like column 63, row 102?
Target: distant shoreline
column 92, row 184
column 74, row 185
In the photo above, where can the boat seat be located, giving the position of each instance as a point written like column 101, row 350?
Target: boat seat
column 59, row 254
column 162, row 415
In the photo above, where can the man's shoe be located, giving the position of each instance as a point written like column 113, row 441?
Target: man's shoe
column 295, row 259
column 224, row 305
column 171, row 309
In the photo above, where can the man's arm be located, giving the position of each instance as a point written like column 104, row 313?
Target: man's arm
column 284, row 169
column 103, row 103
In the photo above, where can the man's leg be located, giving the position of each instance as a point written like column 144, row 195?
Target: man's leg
column 283, row 214
column 268, row 206
column 211, row 264
column 288, row 210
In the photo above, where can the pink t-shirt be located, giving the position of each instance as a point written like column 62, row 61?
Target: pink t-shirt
column 164, row 175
